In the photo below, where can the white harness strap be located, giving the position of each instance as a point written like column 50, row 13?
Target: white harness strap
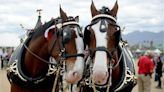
column 46, row 32
column 70, row 23
column 104, row 15
column 60, row 25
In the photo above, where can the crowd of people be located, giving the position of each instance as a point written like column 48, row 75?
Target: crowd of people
column 5, row 54
column 147, row 65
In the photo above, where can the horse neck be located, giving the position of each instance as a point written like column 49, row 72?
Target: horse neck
column 33, row 65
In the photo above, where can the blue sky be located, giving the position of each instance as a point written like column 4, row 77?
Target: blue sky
column 143, row 15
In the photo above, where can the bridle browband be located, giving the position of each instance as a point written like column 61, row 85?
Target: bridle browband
column 104, row 16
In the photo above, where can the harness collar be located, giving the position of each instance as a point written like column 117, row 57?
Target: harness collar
column 16, row 73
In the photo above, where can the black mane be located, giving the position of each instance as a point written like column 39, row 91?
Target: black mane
column 105, row 10
column 40, row 30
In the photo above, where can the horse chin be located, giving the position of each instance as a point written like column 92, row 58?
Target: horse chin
column 72, row 77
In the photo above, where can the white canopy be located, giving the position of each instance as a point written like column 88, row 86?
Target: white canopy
column 138, row 50
column 157, row 51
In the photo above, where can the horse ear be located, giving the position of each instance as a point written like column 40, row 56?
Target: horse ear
column 63, row 15
column 94, row 11
column 77, row 18
column 115, row 9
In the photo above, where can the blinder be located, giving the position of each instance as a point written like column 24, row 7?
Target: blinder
column 66, row 34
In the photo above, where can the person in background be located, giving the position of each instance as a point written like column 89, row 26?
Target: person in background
column 159, row 71
column 155, row 60
column 145, row 70
column 162, row 59
column 1, row 52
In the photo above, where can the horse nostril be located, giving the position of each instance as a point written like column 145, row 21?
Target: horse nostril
column 75, row 73
column 99, row 81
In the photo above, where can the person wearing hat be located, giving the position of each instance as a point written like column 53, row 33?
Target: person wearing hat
column 145, row 70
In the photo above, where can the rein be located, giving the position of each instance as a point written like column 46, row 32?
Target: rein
column 43, row 60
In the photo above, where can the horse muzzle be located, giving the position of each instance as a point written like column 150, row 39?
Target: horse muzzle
column 100, row 77
column 73, row 77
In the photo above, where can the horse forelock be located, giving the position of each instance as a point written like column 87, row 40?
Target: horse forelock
column 105, row 10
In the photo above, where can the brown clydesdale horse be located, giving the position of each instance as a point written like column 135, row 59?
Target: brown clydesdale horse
column 51, row 55
column 107, row 65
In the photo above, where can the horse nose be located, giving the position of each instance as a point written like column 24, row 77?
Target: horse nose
column 100, row 77
column 72, row 77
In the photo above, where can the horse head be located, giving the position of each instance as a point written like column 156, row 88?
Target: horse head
column 102, row 37
column 70, row 44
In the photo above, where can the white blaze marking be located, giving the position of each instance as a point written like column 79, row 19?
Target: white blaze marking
column 79, row 63
column 100, row 56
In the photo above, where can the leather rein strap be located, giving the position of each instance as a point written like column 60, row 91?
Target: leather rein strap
column 32, row 53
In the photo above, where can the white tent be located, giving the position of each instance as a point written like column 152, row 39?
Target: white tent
column 157, row 51
column 138, row 51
